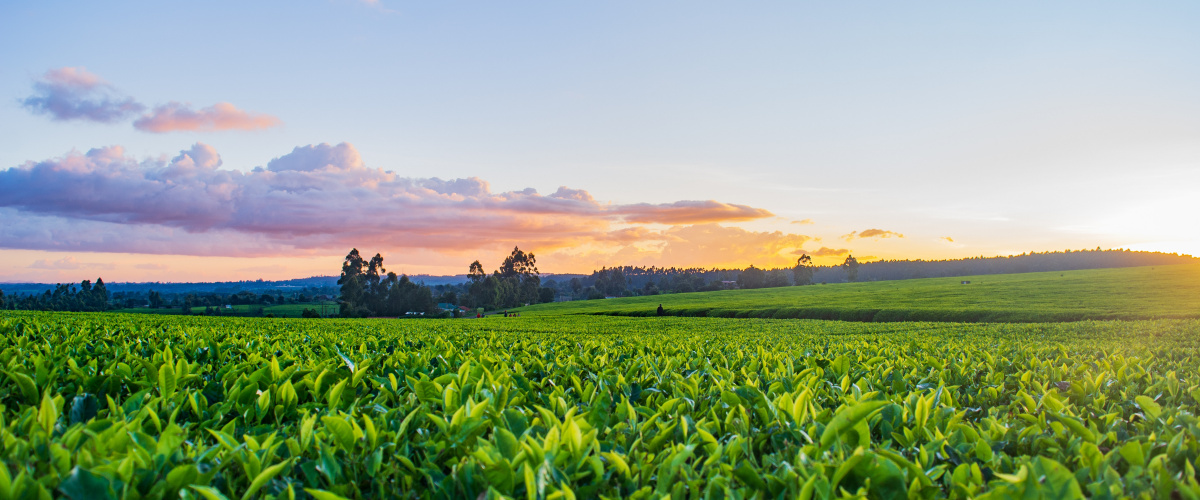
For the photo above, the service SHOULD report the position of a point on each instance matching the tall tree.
(100, 295)
(353, 286)
(476, 273)
(520, 277)
(802, 274)
(851, 268)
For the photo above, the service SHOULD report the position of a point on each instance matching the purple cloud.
(75, 94)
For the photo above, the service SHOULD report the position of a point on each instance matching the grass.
(1097, 294)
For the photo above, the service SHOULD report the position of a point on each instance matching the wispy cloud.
(824, 252)
(871, 233)
(75, 94)
(175, 116)
(947, 239)
(803, 221)
(317, 198)
(67, 263)
(689, 212)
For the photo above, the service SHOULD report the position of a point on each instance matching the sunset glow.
(689, 135)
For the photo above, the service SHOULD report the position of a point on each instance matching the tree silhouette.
(851, 268)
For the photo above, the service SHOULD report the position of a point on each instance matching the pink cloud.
(175, 116)
(317, 198)
(68, 263)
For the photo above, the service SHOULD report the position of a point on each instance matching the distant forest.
(367, 290)
(623, 281)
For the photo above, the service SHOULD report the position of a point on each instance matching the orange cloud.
(948, 239)
(698, 245)
(871, 233)
(175, 116)
(824, 252)
(804, 221)
(690, 212)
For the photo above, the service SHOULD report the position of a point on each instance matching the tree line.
(64, 297)
(367, 289)
(622, 281)
(517, 282)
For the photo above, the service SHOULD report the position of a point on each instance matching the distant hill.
(232, 287)
(1096, 294)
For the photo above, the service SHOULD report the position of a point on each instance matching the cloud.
(804, 221)
(174, 116)
(697, 245)
(317, 198)
(871, 233)
(67, 263)
(76, 94)
(151, 266)
(824, 252)
(690, 212)
(948, 239)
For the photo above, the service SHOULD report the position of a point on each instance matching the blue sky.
(1005, 128)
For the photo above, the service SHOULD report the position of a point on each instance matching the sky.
(149, 141)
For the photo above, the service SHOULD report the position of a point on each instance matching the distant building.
(729, 285)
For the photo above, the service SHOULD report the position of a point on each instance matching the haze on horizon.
(224, 141)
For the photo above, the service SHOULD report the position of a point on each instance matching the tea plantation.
(1129, 293)
(138, 406)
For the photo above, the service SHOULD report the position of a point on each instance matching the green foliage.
(143, 406)
(1100, 294)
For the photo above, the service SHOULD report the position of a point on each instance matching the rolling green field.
(1126, 293)
(559, 407)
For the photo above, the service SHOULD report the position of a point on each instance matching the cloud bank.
(69, 93)
(322, 198)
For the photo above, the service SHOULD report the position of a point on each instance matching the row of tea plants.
(133, 406)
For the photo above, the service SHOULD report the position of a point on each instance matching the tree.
(752, 277)
(851, 268)
(776, 278)
(100, 295)
(476, 274)
(802, 274)
(521, 278)
(353, 286)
